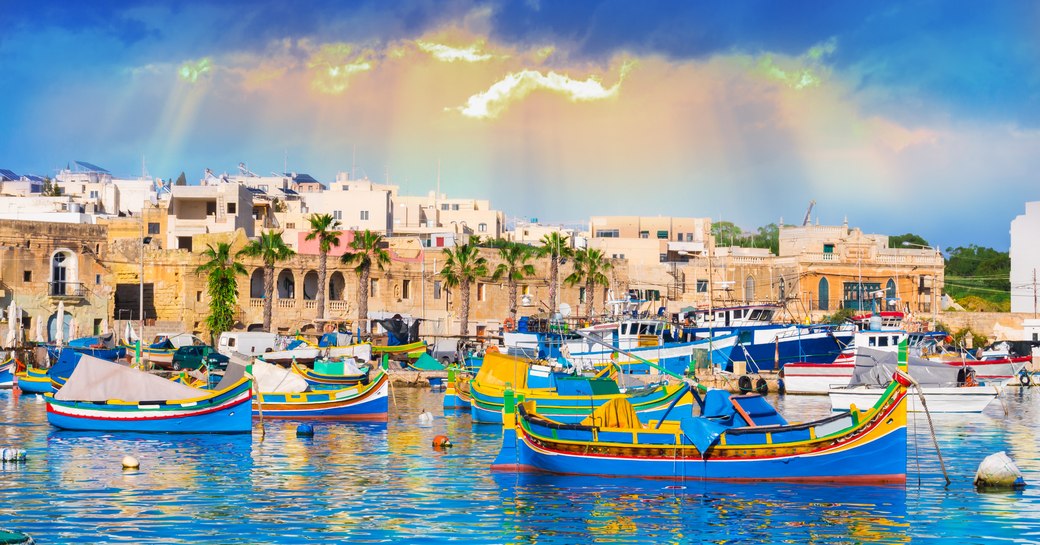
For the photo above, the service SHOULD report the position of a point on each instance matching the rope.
(931, 428)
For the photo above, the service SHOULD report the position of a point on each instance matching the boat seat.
(718, 408)
(756, 411)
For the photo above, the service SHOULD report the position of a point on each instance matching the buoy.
(998, 471)
(129, 462)
(425, 418)
(305, 430)
(441, 441)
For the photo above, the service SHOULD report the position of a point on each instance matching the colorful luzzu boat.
(7, 371)
(735, 437)
(106, 396)
(34, 381)
(562, 398)
(326, 381)
(411, 350)
(455, 394)
(358, 402)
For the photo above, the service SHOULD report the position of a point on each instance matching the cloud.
(335, 64)
(191, 71)
(447, 53)
(517, 85)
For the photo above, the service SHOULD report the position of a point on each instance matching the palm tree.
(367, 251)
(514, 268)
(325, 228)
(555, 246)
(590, 266)
(271, 249)
(464, 265)
(222, 286)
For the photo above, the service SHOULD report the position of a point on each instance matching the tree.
(768, 236)
(726, 233)
(222, 286)
(514, 268)
(325, 229)
(555, 245)
(367, 250)
(914, 240)
(464, 266)
(590, 266)
(979, 271)
(181, 180)
(271, 249)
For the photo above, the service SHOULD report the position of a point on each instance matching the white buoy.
(998, 471)
(129, 462)
(425, 418)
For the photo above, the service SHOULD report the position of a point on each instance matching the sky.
(919, 116)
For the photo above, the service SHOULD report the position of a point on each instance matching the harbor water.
(368, 483)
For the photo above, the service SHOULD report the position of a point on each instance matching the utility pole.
(1034, 293)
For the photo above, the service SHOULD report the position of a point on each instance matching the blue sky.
(904, 117)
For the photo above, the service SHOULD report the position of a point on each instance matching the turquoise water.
(364, 483)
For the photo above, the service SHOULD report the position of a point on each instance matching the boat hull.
(486, 406)
(224, 412)
(7, 374)
(34, 381)
(816, 378)
(964, 399)
(361, 402)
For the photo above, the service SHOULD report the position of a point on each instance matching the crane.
(808, 213)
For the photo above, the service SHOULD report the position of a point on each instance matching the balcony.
(67, 290)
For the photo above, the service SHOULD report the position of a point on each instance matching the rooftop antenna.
(144, 169)
(437, 195)
(353, 163)
(285, 161)
(808, 213)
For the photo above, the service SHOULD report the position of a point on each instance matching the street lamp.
(935, 276)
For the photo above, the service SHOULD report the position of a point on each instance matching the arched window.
(890, 294)
(825, 294)
(310, 286)
(783, 288)
(749, 288)
(63, 272)
(286, 285)
(256, 284)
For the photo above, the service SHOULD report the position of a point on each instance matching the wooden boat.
(106, 396)
(412, 350)
(361, 351)
(735, 437)
(34, 381)
(676, 357)
(946, 388)
(328, 381)
(358, 402)
(99, 346)
(7, 371)
(456, 395)
(563, 398)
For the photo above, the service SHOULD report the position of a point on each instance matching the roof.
(91, 167)
(255, 190)
(304, 178)
(288, 191)
(8, 175)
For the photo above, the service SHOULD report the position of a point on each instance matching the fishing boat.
(106, 396)
(946, 388)
(296, 350)
(330, 345)
(34, 381)
(99, 346)
(346, 374)
(288, 396)
(735, 437)
(673, 356)
(7, 370)
(456, 395)
(562, 396)
(411, 350)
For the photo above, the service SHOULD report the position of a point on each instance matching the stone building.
(43, 264)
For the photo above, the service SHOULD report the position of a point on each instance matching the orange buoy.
(441, 441)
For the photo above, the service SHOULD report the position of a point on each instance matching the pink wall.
(310, 247)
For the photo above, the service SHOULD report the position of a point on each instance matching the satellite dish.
(565, 310)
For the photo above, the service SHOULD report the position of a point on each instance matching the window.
(702, 286)
(454, 207)
(153, 228)
(337, 214)
(364, 215)
(883, 341)
(93, 194)
(607, 233)
(373, 288)
(525, 290)
(824, 294)
(406, 289)
(97, 279)
(211, 208)
(290, 226)
(26, 276)
(184, 243)
(445, 207)
(198, 296)
(482, 227)
(663, 257)
(581, 295)
(749, 288)
(689, 237)
(436, 289)
(678, 237)
(644, 234)
(232, 208)
(481, 292)
(828, 248)
(662, 235)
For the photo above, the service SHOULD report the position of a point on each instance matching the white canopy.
(98, 380)
(275, 379)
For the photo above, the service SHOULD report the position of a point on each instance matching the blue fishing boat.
(106, 396)
(455, 393)
(100, 346)
(359, 402)
(735, 437)
(323, 379)
(7, 370)
(34, 381)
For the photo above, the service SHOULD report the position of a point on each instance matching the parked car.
(194, 356)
